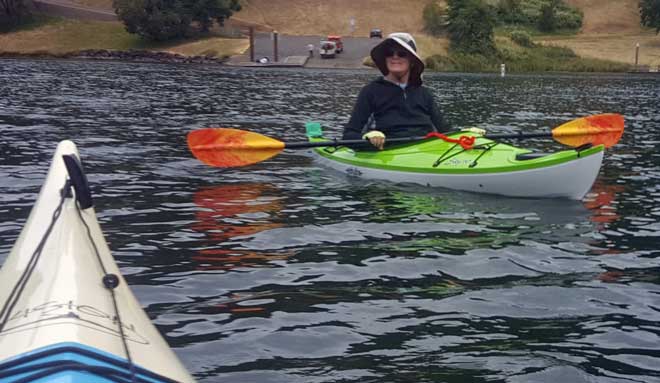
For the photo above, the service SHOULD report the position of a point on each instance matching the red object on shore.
(337, 41)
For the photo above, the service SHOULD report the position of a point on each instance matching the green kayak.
(488, 167)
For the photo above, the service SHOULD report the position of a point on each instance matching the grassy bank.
(519, 59)
(58, 36)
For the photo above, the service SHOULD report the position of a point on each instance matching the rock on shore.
(130, 55)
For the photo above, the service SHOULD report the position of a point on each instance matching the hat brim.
(378, 57)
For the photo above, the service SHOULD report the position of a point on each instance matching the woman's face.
(398, 61)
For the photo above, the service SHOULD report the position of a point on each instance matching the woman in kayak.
(395, 105)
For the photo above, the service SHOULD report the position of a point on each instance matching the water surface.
(287, 272)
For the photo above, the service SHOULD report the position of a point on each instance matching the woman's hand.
(376, 138)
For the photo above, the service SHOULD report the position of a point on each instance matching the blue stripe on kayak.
(73, 363)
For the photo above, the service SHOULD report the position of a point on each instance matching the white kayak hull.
(63, 304)
(571, 180)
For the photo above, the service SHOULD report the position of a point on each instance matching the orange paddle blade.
(225, 147)
(600, 129)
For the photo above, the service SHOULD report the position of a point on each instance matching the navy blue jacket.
(385, 106)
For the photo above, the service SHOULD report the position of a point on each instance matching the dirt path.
(75, 10)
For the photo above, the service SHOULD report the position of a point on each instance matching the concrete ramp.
(289, 61)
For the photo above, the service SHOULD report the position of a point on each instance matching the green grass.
(522, 60)
(59, 36)
(505, 30)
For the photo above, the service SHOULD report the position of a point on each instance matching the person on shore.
(310, 48)
(396, 104)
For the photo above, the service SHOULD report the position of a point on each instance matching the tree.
(548, 16)
(649, 11)
(162, 20)
(471, 24)
(205, 11)
(12, 12)
(434, 18)
(510, 11)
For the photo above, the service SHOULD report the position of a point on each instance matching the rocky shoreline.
(130, 55)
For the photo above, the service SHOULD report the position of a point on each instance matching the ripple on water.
(284, 271)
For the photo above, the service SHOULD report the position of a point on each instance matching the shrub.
(556, 53)
(440, 63)
(13, 13)
(568, 18)
(510, 12)
(462, 62)
(546, 15)
(435, 20)
(649, 11)
(470, 27)
(522, 38)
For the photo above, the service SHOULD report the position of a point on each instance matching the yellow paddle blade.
(225, 147)
(599, 129)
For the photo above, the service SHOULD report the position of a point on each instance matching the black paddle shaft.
(336, 142)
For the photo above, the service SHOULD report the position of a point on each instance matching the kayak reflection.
(492, 221)
(249, 225)
(230, 212)
(601, 201)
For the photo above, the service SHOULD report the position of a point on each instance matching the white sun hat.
(406, 41)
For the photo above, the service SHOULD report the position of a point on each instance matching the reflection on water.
(287, 272)
(602, 202)
(229, 213)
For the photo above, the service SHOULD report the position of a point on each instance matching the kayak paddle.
(225, 147)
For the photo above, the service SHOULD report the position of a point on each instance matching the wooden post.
(251, 44)
(275, 46)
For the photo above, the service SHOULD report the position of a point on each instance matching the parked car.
(337, 40)
(376, 32)
(327, 49)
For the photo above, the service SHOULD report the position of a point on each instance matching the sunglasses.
(397, 52)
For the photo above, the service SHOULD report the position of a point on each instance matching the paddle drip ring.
(466, 142)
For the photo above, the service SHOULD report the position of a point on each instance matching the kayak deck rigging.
(446, 155)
